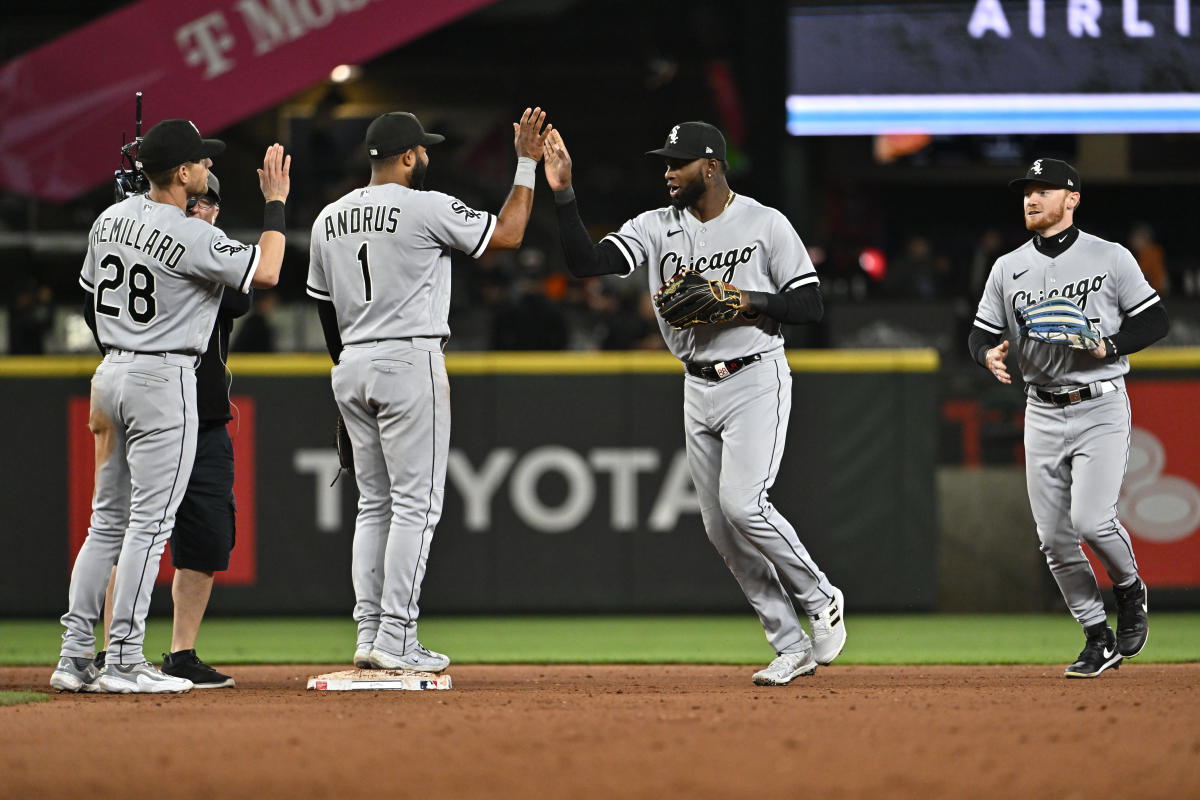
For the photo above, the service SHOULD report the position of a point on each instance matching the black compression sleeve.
(329, 327)
(585, 259)
(794, 307)
(1141, 331)
(89, 316)
(979, 342)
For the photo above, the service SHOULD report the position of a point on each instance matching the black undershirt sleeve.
(329, 327)
(1139, 332)
(793, 307)
(234, 303)
(979, 342)
(585, 259)
(89, 316)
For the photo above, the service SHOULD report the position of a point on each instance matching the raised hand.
(558, 161)
(528, 136)
(274, 178)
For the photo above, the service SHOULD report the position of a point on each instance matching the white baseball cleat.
(786, 667)
(829, 629)
(75, 675)
(419, 659)
(362, 657)
(142, 678)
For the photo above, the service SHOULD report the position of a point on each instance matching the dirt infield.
(622, 731)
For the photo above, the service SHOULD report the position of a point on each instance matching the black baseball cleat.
(1132, 627)
(1100, 653)
(186, 664)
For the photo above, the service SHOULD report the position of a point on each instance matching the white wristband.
(525, 172)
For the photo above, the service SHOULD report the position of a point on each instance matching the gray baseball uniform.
(1076, 446)
(156, 277)
(381, 255)
(736, 421)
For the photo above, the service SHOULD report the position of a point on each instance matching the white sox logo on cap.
(673, 136)
(1036, 169)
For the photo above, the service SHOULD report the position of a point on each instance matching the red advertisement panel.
(65, 104)
(1160, 499)
(243, 563)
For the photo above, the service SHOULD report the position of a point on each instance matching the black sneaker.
(186, 664)
(1100, 653)
(99, 659)
(1132, 627)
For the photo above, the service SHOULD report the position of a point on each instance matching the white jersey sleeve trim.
(988, 326)
(1142, 306)
(251, 268)
(624, 251)
(316, 293)
(489, 229)
(86, 286)
(802, 280)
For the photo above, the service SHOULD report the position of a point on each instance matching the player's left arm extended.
(794, 306)
(1138, 332)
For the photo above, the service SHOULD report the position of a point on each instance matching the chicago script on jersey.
(728, 260)
(361, 219)
(133, 233)
(1077, 292)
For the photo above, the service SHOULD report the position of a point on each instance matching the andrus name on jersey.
(361, 219)
(728, 260)
(1077, 292)
(132, 233)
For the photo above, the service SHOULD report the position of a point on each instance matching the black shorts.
(205, 527)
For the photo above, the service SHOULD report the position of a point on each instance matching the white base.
(376, 679)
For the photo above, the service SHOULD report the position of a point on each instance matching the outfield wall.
(567, 489)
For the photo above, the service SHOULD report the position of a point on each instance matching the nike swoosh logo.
(1062, 238)
(1019, 274)
(672, 233)
(1109, 653)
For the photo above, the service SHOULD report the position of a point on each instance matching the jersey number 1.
(366, 268)
(141, 288)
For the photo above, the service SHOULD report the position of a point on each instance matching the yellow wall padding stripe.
(496, 363)
(575, 362)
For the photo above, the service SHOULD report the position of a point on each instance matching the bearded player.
(737, 386)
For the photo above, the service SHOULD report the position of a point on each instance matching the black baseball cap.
(692, 140)
(1050, 171)
(173, 142)
(395, 132)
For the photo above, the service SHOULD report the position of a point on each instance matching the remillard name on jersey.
(362, 219)
(133, 233)
(728, 260)
(1077, 292)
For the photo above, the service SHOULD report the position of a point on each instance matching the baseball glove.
(690, 299)
(1058, 321)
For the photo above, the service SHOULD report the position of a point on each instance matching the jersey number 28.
(140, 298)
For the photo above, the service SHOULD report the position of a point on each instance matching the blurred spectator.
(629, 323)
(1149, 255)
(30, 316)
(530, 322)
(915, 273)
(989, 247)
(254, 333)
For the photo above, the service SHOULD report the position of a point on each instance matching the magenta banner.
(63, 106)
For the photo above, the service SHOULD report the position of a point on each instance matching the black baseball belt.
(719, 370)
(1071, 395)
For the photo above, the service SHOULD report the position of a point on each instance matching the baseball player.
(204, 524)
(1077, 419)
(380, 271)
(737, 386)
(156, 277)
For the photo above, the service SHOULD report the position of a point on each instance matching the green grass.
(874, 639)
(17, 698)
